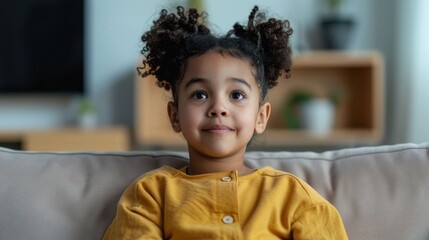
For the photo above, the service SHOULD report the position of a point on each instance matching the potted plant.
(336, 27)
(87, 114)
(304, 110)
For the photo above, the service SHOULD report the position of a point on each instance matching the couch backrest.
(381, 192)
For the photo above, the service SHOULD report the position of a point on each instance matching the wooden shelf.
(11, 136)
(71, 139)
(359, 117)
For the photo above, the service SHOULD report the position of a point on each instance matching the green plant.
(291, 108)
(86, 106)
(334, 5)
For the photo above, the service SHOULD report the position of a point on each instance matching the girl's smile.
(218, 129)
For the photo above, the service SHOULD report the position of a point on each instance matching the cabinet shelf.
(112, 138)
(359, 116)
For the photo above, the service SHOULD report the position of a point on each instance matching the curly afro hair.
(175, 37)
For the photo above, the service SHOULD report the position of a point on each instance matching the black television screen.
(41, 46)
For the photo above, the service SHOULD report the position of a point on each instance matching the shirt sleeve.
(321, 221)
(138, 216)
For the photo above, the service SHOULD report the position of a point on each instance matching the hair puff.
(163, 41)
(272, 39)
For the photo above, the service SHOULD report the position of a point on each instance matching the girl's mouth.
(218, 129)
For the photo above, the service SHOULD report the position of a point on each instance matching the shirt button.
(227, 220)
(226, 179)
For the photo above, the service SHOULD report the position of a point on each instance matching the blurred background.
(109, 42)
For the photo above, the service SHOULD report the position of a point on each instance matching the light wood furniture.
(359, 116)
(71, 139)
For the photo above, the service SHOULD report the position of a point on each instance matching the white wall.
(418, 47)
(113, 45)
(24, 112)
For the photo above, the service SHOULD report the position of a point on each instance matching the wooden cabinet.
(359, 115)
(72, 139)
(359, 80)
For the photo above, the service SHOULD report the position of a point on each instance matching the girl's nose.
(218, 114)
(217, 109)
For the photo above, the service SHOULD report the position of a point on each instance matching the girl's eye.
(237, 95)
(199, 95)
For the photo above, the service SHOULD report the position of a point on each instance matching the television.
(42, 46)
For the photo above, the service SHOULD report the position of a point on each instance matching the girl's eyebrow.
(193, 81)
(198, 80)
(239, 80)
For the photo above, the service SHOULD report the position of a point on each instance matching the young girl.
(219, 87)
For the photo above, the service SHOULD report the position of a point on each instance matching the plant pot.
(87, 114)
(317, 116)
(88, 120)
(336, 32)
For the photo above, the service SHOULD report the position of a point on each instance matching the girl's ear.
(173, 114)
(262, 119)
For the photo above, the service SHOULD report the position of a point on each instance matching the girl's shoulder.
(286, 183)
(158, 173)
(271, 172)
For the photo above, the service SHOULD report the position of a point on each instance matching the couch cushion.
(67, 195)
(381, 192)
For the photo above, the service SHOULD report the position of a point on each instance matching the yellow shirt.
(267, 204)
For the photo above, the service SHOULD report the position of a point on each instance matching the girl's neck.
(201, 164)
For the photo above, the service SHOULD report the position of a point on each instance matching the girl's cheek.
(190, 114)
(246, 118)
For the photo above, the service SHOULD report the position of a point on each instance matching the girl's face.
(218, 106)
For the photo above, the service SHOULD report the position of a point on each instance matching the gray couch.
(381, 192)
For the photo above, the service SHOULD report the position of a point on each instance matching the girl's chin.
(218, 151)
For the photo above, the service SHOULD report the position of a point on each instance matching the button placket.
(228, 202)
